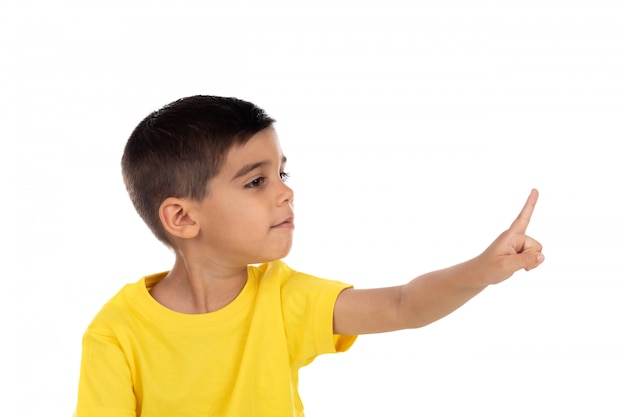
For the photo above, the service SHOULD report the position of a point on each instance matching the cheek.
(242, 218)
(235, 216)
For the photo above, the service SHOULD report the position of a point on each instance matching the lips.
(286, 223)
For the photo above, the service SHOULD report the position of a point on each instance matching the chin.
(278, 253)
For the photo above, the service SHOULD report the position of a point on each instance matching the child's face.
(247, 216)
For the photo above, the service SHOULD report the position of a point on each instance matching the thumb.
(525, 260)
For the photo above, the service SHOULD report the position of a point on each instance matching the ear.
(176, 219)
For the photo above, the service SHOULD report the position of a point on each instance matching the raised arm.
(434, 295)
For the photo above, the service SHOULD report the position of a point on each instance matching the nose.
(286, 194)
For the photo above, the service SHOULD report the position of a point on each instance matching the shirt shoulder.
(124, 307)
(307, 305)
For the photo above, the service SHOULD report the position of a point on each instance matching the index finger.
(523, 219)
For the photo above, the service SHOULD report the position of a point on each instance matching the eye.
(284, 176)
(256, 183)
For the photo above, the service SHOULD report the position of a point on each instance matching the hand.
(513, 250)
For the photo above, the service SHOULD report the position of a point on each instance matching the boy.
(225, 331)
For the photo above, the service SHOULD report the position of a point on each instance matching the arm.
(434, 295)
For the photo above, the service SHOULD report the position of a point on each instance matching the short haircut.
(176, 150)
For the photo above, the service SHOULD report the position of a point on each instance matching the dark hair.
(176, 150)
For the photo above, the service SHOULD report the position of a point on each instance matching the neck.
(192, 289)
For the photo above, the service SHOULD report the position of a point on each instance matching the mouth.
(287, 223)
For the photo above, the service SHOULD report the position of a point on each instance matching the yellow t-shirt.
(142, 359)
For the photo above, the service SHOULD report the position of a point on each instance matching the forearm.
(436, 294)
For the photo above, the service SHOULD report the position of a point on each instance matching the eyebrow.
(251, 167)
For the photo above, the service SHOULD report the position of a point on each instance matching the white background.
(414, 132)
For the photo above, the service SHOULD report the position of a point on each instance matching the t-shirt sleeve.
(308, 309)
(105, 388)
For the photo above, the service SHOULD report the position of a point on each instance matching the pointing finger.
(520, 224)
